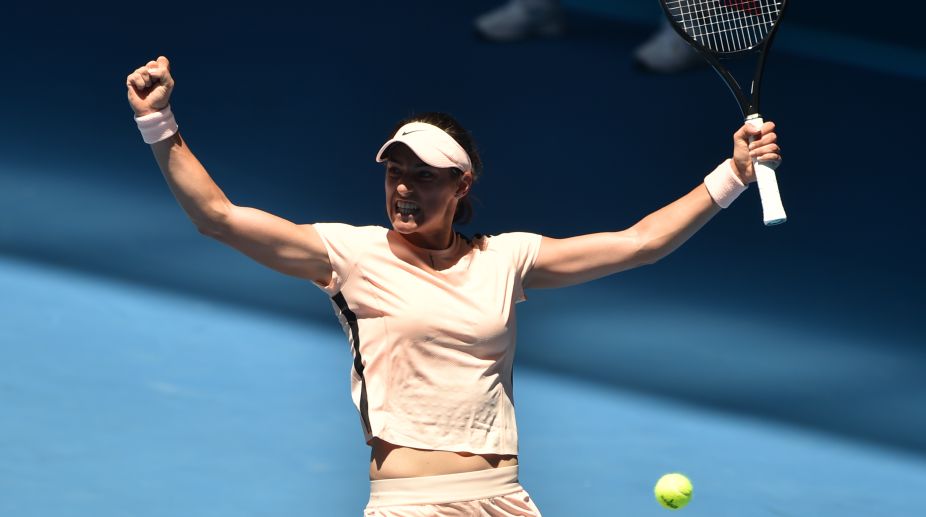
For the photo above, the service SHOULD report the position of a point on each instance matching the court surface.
(124, 400)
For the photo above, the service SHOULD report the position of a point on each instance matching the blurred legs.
(664, 52)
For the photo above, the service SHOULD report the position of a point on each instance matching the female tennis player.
(430, 313)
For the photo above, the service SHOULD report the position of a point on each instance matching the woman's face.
(420, 197)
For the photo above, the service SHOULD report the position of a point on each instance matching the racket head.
(725, 28)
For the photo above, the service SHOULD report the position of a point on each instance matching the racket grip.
(772, 210)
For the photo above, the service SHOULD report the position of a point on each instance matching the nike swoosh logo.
(412, 131)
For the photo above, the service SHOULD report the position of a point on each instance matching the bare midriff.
(389, 461)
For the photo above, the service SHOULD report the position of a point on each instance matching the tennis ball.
(673, 491)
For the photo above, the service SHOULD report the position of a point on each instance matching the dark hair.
(464, 213)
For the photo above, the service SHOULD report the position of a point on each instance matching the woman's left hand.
(764, 148)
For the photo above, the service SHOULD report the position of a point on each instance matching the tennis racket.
(722, 29)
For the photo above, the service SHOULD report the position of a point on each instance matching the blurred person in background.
(664, 52)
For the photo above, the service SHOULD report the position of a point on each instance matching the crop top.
(432, 349)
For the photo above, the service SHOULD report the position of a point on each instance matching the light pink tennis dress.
(433, 353)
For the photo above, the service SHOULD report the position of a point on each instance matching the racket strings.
(726, 25)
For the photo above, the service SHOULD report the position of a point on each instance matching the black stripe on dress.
(351, 320)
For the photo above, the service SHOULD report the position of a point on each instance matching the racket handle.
(772, 211)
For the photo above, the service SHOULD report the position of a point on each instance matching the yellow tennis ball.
(673, 491)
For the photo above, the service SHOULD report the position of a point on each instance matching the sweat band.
(723, 185)
(157, 126)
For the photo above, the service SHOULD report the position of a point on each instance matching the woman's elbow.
(648, 250)
(213, 223)
(210, 230)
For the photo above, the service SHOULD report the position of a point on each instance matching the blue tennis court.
(125, 400)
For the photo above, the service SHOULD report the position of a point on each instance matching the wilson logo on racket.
(749, 6)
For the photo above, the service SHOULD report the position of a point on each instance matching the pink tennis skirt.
(490, 492)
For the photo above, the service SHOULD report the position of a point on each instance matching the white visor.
(435, 147)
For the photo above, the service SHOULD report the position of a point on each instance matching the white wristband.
(157, 126)
(723, 185)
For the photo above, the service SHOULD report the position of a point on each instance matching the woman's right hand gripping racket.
(735, 28)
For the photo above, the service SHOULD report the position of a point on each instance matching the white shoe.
(519, 19)
(667, 53)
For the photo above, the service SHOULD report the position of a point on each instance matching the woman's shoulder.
(486, 240)
(350, 228)
(350, 237)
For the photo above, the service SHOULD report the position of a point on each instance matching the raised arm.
(277, 243)
(565, 262)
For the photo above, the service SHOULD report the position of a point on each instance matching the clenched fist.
(150, 86)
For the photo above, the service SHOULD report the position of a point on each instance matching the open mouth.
(407, 208)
